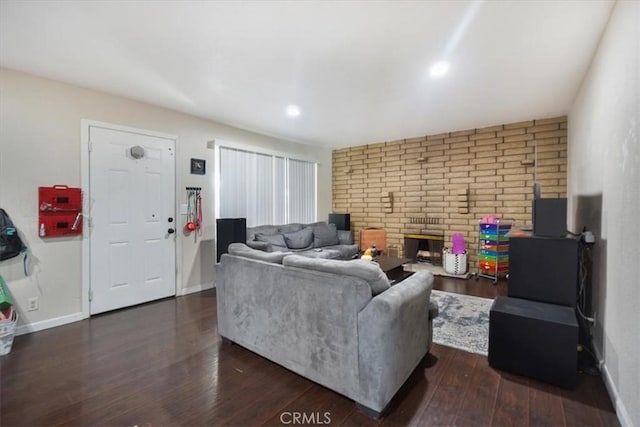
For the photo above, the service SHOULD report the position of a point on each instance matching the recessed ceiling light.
(439, 69)
(293, 111)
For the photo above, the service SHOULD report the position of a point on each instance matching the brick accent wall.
(449, 181)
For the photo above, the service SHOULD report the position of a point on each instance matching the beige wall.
(425, 176)
(604, 196)
(40, 146)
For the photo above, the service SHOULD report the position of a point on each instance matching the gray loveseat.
(317, 240)
(337, 323)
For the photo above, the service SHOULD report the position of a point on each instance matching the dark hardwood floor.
(163, 363)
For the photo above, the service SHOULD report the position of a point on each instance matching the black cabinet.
(534, 331)
(342, 221)
(229, 230)
(544, 269)
(535, 339)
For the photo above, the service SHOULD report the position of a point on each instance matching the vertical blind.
(266, 189)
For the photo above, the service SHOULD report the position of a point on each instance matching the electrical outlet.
(32, 304)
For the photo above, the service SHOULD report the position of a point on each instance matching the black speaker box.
(534, 339)
(229, 230)
(341, 220)
(544, 269)
(550, 217)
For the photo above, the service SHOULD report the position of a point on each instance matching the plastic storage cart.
(7, 332)
(493, 249)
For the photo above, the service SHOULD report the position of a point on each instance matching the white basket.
(455, 263)
(7, 332)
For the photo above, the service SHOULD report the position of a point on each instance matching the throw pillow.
(290, 228)
(368, 271)
(276, 240)
(264, 229)
(300, 239)
(324, 234)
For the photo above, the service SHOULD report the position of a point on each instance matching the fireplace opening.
(425, 247)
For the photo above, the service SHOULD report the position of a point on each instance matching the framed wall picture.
(198, 166)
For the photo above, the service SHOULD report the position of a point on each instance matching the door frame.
(85, 124)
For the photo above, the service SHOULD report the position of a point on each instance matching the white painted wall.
(40, 146)
(604, 193)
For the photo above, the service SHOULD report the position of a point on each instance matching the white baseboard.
(196, 288)
(76, 317)
(621, 410)
(49, 323)
(618, 404)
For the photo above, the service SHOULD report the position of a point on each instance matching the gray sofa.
(317, 240)
(337, 323)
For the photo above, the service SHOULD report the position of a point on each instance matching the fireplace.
(425, 247)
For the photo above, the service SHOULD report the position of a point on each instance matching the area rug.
(436, 270)
(463, 322)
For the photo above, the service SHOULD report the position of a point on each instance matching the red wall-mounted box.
(59, 211)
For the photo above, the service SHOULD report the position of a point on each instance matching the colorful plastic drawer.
(491, 266)
(494, 232)
(494, 246)
(494, 237)
(494, 253)
(492, 263)
(493, 242)
(495, 228)
(504, 258)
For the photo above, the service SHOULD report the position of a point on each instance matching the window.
(265, 188)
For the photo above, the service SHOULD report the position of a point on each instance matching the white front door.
(132, 212)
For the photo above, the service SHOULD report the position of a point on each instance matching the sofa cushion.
(300, 239)
(290, 228)
(263, 246)
(321, 253)
(345, 237)
(346, 251)
(368, 271)
(263, 229)
(276, 240)
(324, 234)
(240, 249)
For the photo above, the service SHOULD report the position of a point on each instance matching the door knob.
(171, 231)
(170, 219)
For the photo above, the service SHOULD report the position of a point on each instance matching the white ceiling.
(357, 69)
